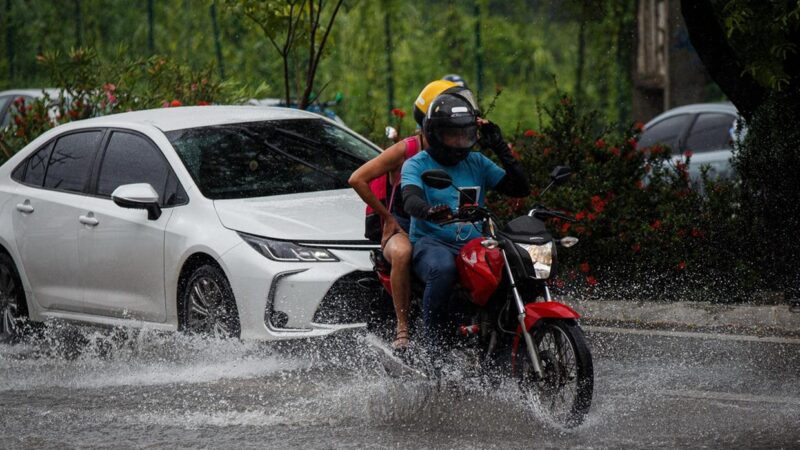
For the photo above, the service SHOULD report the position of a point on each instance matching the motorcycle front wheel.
(565, 391)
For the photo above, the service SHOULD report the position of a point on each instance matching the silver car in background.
(708, 130)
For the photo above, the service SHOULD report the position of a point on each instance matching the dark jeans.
(435, 264)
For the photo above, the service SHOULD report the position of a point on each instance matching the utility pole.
(387, 31)
(217, 43)
(151, 44)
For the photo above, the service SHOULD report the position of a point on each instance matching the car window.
(71, 161)
(711, 131)
(36, 166)
(257, 159)
(665, 132)
(128, 159)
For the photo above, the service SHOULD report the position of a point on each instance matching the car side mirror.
(560, 174)
(437, 179)
(138, 196)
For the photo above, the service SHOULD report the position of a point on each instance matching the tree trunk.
(581, 60)
(722, 64)
(9, 41)
(78, 24)
(217, 43)
(387, 31)
(151, 42)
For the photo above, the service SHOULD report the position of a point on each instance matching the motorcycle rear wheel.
(565, 392)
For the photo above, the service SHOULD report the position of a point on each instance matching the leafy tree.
(287, 24)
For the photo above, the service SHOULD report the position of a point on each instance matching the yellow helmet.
(426, 96)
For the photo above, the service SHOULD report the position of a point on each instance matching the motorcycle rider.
(451, 129)
(395, 244)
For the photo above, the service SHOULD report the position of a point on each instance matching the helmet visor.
(462, 137)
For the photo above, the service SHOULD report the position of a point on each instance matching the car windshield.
(257, 159)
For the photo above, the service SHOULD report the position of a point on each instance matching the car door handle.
(88, 220)
(25, 207)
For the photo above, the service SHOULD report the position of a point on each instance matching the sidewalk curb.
(771, 319)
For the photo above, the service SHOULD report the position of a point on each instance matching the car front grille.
(347, 301)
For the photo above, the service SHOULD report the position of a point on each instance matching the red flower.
(591, 281)
(559, 283)
(581, 215)
(656, 225)
(531, 133)
(600, 143)
(202, 103)
(681, 265)
(399, 113)
(175, 103)
(565, 227)
(18, 120)
(636, 247)
(640, 184)
(598, 204)
(696, 233)
(632, 142)
(546, 151)
(584, 266)
(688, 154)
(615, 151)
(591, 216)
(639, 126)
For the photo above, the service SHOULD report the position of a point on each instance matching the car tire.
(14, 322)
(208, 307)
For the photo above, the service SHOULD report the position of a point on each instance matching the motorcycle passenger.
(451, 128)
(395, 244)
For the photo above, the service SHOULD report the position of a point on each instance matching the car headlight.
(542, 258)
(286, 251)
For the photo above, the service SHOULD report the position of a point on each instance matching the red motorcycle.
(504, 311)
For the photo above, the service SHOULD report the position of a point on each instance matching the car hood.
(314, 216)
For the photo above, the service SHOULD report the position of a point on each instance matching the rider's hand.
(439, 214)
(390, 228)
(490, 136)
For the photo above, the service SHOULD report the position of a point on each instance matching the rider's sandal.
(401, 340)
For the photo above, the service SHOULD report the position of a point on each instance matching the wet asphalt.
(152, 390)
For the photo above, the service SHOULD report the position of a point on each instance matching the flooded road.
(150, 390)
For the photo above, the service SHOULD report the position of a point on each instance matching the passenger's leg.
(398, 253)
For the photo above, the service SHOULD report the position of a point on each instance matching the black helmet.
(451, 128)
(468, 96)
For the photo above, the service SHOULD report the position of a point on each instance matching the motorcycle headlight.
(286, 251)
(542, 258)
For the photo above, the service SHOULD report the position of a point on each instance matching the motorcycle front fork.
(529, 344)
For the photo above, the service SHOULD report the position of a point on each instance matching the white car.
(705, 129)
(222, 220)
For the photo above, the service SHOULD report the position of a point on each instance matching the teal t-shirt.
(474, 175)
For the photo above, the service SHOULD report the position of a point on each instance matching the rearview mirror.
(138, 196)
(437, 179)
(560, 174)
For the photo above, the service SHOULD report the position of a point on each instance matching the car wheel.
(13, 308)
(209, 308)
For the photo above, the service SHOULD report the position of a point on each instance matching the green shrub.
(644, 233)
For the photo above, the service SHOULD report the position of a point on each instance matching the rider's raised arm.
(515, 182)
